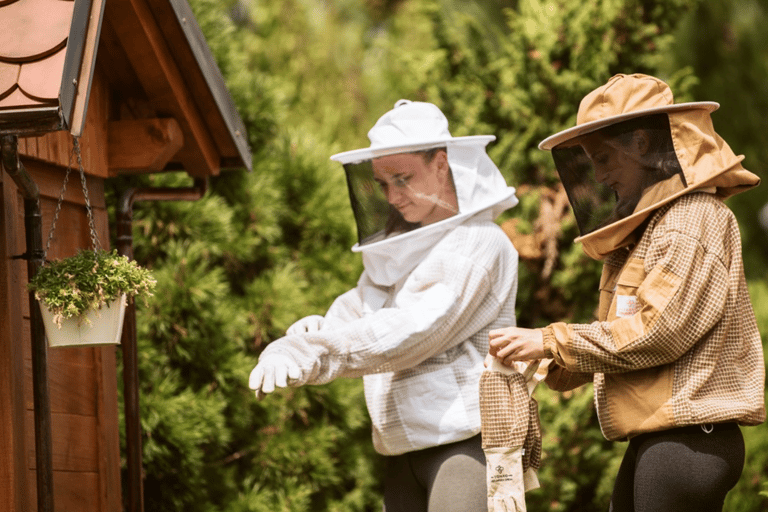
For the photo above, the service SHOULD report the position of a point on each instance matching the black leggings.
(447, 478)
(680, 469)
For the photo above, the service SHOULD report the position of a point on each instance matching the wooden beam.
(109, 429)
(142, 145)
(163, 81)
(87, 68)
(193, 55)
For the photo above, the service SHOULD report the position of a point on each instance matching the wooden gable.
(165, 93)
(136, 83)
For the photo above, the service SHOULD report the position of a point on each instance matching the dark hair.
(661, 159)
(429, 154)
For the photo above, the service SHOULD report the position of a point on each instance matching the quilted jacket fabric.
(419, 343)
(676, 342)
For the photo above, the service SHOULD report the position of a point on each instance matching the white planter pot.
(105, 327)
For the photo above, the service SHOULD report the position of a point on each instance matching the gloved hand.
(273, 370)
(310, 323)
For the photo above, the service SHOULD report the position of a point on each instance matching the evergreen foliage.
(734, 70)
(265, 248)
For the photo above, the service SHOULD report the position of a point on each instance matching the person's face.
(421, 191)
(617, 166)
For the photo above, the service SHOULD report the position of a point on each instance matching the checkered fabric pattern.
(688, 350)
(511, 433)
(420, 343)
(510, 417)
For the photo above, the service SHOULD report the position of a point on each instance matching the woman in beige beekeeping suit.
(439, 275)
(675, 357)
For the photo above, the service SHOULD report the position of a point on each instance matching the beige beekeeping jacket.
(676, 342)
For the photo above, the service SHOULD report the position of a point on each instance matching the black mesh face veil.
(372, 211)
(623, 168)
(381, 199)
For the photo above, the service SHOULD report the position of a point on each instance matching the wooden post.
(33, 228)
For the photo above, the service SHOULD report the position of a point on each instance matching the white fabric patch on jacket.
(627, 305)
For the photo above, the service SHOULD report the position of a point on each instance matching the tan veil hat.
(623, 97)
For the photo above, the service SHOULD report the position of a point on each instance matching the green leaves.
(72, 286)
(266, 247)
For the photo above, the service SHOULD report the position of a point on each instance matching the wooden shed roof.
(154, 57)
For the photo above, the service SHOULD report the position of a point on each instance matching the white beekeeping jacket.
(419, 343)
(416, 325)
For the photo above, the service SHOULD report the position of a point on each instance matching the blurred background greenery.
(266, 247)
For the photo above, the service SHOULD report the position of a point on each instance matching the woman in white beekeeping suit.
(439, 275)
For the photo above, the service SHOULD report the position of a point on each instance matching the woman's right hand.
(510, 344)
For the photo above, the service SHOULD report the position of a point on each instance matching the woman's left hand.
(510, 344)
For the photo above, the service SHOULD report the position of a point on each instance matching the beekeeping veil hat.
(633, 150)
(392, 245)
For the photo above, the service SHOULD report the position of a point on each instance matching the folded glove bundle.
(511, 434)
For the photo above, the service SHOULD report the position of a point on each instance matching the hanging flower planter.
(97, 327)
(83, 298)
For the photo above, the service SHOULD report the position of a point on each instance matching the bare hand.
(510, 344)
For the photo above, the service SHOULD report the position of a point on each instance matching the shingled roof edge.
(30, 121)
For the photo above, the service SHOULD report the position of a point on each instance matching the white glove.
(273, 370)
(505, 479)
(310, 323)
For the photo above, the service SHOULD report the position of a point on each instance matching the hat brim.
(571, 133)
(360, 155)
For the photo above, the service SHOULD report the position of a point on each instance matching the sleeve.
(560, 379)
(347, 307)
(428, 316)
(678, 300)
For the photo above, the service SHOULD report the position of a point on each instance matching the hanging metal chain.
(94, 237)
(58, 206)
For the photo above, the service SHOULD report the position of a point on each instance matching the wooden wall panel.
(73, 438)
(72, 230)
(56, 147)
(13, 481)
(70, 375)
(50, 179)
(94, 139)
(108, 429)
(82, 492)
(82, 380)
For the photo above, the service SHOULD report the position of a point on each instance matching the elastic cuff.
(550, 342)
